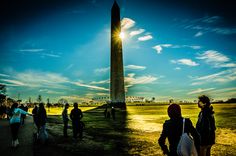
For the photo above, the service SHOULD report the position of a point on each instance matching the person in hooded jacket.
(172, 130)
(206, 125)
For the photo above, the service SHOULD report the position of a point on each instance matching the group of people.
(203, 134)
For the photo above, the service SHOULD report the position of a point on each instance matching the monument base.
(121, 105)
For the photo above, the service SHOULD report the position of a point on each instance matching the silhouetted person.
(113, 113)
(206, 125)
(105, 112)
(172, 129)
(42, 119)
(76, 115)
(35, 117)
(65, 119)
(15, 121)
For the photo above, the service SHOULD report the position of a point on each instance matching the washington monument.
(117, 90)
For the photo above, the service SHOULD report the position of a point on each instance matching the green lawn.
(136, 131)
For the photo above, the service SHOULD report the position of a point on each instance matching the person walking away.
(15, 121)
(42, 118)
(206, 125)
(76, 115)
(65, 119)
(172, 129)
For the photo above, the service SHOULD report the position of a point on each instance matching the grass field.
(136, 131)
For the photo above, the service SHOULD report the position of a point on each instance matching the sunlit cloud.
(216, 59)
(74, 98)
(187, 62)
(220, 77)
(14, 82)
(199, 90)
(131, 80)
(136, 32)
(100, 82)
(127, 23)
(145, 38)
(47, 91)
(90, 86)
(198, 34)
(158, 48)
(134, 67)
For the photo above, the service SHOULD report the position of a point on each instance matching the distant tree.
(39, 99)
(62, 102)
(232, 100)
(3, 89)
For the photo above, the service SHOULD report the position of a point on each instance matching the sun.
(122, 35)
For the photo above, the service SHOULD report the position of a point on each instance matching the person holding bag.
(173, 129)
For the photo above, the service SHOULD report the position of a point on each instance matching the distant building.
(103, 99)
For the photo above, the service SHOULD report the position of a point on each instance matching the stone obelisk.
(117, 90)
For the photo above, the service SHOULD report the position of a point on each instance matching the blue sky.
(169, 50)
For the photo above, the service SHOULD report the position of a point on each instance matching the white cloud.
(166, 45)
(69, 67)
(199, 90)
(216, 59)
(145, 38)
(136, 32)
(131, 80)
(134, 67)
(4, 75)
(220, 77)
(50, 91)
(50, 55)
(100, 82)
(14, 82)
(177, 68)
(213, 56)
(187, 62)
(31, 50)
(102, 70)
(158, 48)
(127, 23)
(198, 34)
(90, 86)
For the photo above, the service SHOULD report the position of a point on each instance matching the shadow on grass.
(102, 136)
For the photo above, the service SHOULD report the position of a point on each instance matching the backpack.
(186, 145)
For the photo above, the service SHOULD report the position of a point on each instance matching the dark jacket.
(41, 116)
(172, 129)
(206, 126)
(76, 114)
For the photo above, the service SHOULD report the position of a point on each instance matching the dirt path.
(25, 139)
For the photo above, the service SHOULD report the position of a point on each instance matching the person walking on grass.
(206, 125)
(65, 119)
(76, 115)
(172, 129)
(15, 121)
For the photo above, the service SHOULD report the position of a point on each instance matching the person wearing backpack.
(76, 115)
(206, 125)
(172, 130)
